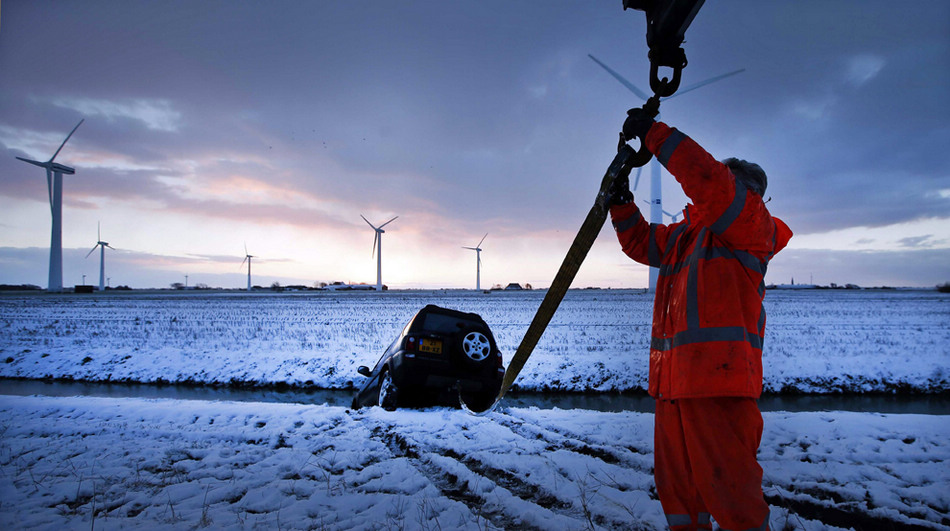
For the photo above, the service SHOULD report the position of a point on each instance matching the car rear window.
(436, 322)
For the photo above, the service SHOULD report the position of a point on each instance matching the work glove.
(619, 193)
(641, 119)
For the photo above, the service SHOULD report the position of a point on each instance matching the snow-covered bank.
(817, 341)
(82, 463)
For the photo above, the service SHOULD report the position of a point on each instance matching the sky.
(211, 126)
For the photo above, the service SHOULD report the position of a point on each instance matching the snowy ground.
(816, 341)
(68, 463)
(108, 463)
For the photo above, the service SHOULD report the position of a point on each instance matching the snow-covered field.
(111, 463)
(816, 341)
(103, 463)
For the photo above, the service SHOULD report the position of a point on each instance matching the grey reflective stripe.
(692, 284)
(678, 519)
(731, 213)
(763, 527)
(653, 250)
(706, 335)
(774, 241)
(747, 259)
(703, 519)
(671, 269)
(629, 223)
(761, 323)
(671, 241)
(669, 146)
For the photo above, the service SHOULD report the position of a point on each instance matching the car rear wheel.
(476, 346)
(387, 392)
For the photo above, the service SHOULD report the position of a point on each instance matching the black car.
(440, 355)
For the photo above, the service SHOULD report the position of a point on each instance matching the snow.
(68, 463)
(133, 463)
(816, 341)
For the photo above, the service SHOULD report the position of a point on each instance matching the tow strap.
(626, 159)
(667, 21)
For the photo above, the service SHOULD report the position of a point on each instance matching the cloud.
(863, 68)
(917, 242)
(157, 115)
(485, 116)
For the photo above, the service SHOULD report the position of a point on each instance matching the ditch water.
(877, 403)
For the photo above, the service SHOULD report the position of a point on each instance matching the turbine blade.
(637, 181)
(695, 86)
(367, 222)
(388, 222)
(67, 139)
(374, 244)
(33, 162)
(472, 248)
(483, 239)
(99, 230)
(49, 187)
(623, 81)
(92, 251)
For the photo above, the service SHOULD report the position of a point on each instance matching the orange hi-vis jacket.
(708, 317)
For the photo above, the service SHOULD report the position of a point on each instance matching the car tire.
(475, 346)
(477, 402)
(388, 392)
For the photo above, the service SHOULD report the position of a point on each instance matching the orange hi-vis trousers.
(705, 463)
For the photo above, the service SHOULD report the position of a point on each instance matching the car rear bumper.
(414, 371)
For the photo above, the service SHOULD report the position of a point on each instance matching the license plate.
(431, 346)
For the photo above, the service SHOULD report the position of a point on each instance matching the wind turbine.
(637, 181)
(379, 255)
(247, 258)
(54, 183)
(478, 262)
(656, 191)
(102, 257)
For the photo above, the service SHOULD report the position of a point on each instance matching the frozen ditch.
(605, 402)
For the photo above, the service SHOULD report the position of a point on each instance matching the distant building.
(513, 286)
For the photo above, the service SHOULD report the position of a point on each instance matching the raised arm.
(723, 203)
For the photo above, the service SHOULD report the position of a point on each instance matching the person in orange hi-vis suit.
(708, 328)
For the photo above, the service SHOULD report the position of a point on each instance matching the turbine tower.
(478, 262)
(54, 183)
(247, 258)
(102, 258)
(656, 189)
(379, 255)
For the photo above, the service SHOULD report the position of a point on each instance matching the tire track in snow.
(624, 456)
(813, 504)
(600, 475)
(497, 495)
(449, 484)
(580, 510)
